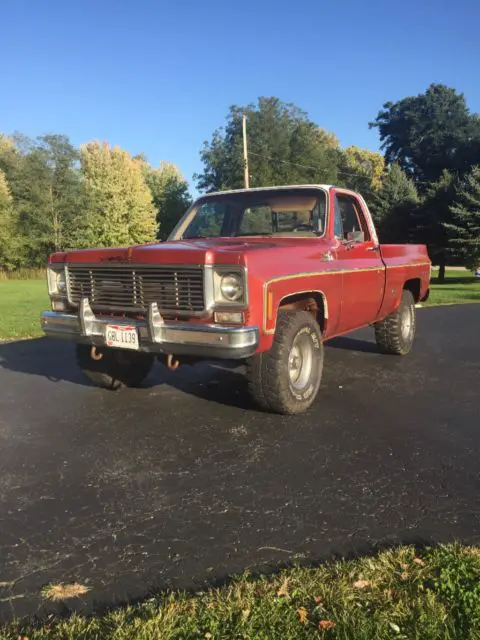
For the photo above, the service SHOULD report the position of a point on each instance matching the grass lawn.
(459, 286)
(21, 302)
(400, 593)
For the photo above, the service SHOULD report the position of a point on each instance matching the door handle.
(374, 248)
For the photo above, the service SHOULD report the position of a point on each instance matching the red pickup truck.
(262, 275)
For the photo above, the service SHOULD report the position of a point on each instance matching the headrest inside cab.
(292, 203)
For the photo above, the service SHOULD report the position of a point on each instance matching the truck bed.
(405, 263)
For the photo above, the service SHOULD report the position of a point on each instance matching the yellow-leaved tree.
(362, 169)
(118, 208)
(8, 230)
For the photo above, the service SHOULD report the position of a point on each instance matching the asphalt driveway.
(182, 483)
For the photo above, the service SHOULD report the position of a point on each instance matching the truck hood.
(199, 251)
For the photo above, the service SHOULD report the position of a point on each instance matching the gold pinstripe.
(307, 274)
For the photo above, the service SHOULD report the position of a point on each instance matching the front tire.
(396, 333)
(116, 368)
(286, 379)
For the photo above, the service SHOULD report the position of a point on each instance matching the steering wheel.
(304, 227)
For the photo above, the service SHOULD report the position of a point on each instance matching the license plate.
(122, 337)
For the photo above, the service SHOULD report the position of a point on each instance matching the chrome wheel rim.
(300, 362)
(407, 323)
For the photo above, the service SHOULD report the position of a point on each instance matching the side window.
(361, 219)
(338, 223)
(352, 218)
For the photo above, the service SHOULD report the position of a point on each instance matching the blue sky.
(158, 76)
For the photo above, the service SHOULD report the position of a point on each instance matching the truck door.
(358, 258)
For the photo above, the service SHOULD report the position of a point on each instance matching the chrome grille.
(134, 288)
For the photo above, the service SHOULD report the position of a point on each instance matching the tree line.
(424, 186)
(54, 196)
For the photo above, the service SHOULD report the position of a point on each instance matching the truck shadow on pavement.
(352, 344)
(220, 383)
(41, 357)
(55, 360)
(223, 383)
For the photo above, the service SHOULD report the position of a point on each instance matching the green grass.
(21, 302)
(459, 286)
(400, 593)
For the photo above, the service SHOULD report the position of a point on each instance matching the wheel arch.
(313, 301)
(414, 285)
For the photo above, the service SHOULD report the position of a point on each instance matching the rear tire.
(286, 379)
(117, 368)
(396, 333)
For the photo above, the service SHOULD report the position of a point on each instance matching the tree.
(118, 207)
(8, 154)
(464, 228)
(361, 170)
(63, 190)
(45, 183)
(170, 196)
(48, 192)
(285, 147)
(433, 217)
(428, 133)
(8, 257)
(394, 206)
(10, 160)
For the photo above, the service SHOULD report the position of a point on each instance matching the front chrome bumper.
(155, 335)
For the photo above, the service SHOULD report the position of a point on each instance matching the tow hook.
(94, 354)
(172, 362)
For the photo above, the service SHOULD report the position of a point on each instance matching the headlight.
(231, 287)
(61, 282)
(57, 284)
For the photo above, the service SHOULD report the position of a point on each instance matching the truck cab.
(262, 275)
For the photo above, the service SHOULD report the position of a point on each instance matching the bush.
(457, 584)
(23, 274)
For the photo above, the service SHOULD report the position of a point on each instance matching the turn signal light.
(58, 305)
(228, 317)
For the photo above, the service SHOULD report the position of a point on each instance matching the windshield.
(286, 212)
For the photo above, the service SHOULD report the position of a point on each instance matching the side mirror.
(355, 236)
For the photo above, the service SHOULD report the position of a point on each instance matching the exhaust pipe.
(172, 362)
(94, 354)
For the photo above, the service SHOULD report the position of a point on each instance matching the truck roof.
(275, 188)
